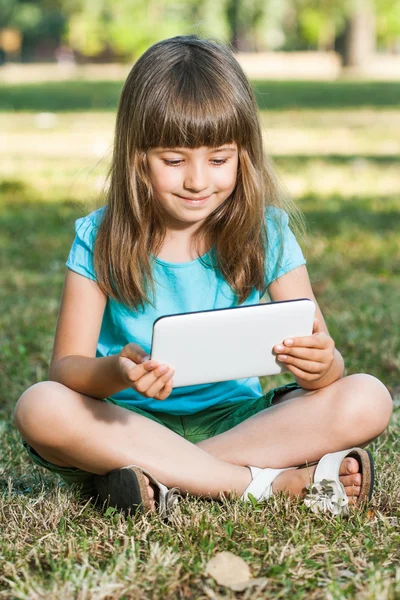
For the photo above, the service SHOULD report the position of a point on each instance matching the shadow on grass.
(37, 233)
(277, 95)
(337, 159)
(338, 215)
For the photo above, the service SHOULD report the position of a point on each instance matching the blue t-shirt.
(180, 288)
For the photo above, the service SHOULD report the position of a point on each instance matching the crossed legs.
(70, 429)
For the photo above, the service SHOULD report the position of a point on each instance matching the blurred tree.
(37, 20)
(125, 28)
(232, 15)
(7, 10)
(349, 26)
(388, 24)
(319, 21)
(131, 26)
(359, 33)
(247, 22)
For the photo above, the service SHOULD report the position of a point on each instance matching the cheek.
(227, 180)
(163, 180)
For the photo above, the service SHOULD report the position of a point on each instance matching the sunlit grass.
(69, 153)
(342, 167)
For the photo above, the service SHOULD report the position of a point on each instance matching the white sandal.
(326, 493)
(260, 485)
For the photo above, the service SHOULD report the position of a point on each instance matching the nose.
(195, 178)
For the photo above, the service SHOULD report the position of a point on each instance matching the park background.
(326, 75)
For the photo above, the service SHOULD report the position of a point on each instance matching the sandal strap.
(329, 466)
(261, 484)
(167, 499)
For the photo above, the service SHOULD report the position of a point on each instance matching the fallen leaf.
(232, 571)
(228, 569)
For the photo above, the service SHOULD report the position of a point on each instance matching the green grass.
(277, 95)
(53, 545)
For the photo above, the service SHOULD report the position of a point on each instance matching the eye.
(219, 161)
(172, 163)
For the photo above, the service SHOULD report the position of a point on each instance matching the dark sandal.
(127, 490)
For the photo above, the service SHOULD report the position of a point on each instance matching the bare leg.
(70, 429)
(304, 426)
(349, 412)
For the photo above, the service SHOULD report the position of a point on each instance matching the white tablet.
(229, 343)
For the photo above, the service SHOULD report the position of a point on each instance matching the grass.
(271, 95)
(342, 167)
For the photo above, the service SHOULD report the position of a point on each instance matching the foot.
(294, 481)
(150, 488)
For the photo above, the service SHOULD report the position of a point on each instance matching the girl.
(194, 220)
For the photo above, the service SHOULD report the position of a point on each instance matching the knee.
(36, 411)
(368, 404)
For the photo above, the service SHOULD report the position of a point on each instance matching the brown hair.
(185, 92)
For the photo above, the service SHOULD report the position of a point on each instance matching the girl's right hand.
(147, 377)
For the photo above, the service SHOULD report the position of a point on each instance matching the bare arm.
(296, 284)
(73, 361)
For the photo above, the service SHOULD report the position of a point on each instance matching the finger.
(309, 341)
(166, 390)
(316, 355)
(147, 378)
(134, 371)
(298, 372)
(159, 384)
(149, 365)
(306, 366)
(145, 384)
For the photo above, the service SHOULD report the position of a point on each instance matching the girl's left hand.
(308, 358)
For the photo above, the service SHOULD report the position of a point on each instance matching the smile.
(195, 201)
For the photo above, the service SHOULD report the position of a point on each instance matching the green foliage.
(129, 27)
(321, 20)
(388, 21)
(35, 20)
(27, 17)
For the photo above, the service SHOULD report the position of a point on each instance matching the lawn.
(337, 149)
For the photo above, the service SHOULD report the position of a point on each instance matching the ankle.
(293, 481)
(243, 480)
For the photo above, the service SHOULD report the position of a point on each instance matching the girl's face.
(190, 183)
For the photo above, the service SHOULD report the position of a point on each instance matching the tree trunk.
(232, 16)
(359, 35)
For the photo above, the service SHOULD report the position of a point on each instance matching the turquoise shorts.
(194, 428)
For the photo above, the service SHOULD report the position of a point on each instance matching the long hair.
(185, 92)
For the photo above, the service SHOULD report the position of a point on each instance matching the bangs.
(194, 111)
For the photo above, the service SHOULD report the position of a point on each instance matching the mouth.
(195, 201)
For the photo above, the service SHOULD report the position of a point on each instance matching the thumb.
(127, 362)
(144, 358)
(135, 353)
